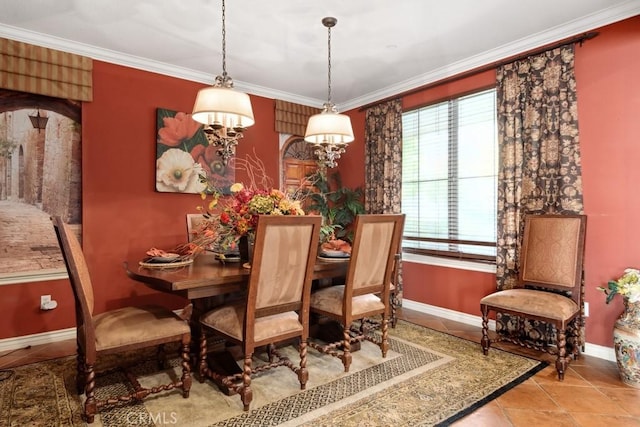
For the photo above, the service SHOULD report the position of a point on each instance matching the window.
(449, 177)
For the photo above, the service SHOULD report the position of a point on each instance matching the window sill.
(450, 263)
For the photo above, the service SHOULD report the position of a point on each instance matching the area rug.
(428, 378)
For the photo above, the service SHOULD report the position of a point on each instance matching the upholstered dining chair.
(366, 291)
(549, 288)
(276, 307)
(117, 331)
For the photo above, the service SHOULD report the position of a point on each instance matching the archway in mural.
(40, 176)
(298, 162)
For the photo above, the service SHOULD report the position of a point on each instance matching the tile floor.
(590, 395)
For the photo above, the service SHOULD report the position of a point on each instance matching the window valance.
(34, 69)
(292, 118)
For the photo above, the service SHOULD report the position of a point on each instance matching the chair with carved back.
(117, 331)
(365, 294)
(549, 288)
(276, 306)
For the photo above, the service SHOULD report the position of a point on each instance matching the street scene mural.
(40, 176)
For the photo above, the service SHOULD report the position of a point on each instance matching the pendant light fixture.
(329, 131)
(224, 112)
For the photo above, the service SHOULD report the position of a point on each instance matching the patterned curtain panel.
(34, 69)
(383, 165)
(540, 168)
(292, 118)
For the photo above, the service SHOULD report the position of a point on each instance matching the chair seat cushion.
(329, 300)
(229, 320)
(532, 302)
(131, 325)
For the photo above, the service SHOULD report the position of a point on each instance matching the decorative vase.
(626, 341)
(245, 247)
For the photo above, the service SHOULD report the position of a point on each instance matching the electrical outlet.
(45, 301)
(586, 309)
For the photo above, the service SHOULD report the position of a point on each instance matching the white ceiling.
(278, 48)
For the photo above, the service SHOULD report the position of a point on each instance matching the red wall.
(608, 78)
(122, 213)
(607, 70)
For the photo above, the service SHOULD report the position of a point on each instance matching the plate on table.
(328, 253)
(150, 263)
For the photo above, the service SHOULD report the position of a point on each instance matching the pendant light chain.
(224, 112)
(329, 62)
(224, 44)
(328, 131)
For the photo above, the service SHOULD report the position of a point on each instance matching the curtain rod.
(575, 39)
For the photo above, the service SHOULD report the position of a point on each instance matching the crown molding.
(587, 23)
(566, 30)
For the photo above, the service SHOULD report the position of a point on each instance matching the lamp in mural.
(224, 112)
(329, 131)
(38, 121)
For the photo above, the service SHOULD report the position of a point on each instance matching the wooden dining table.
(209, 277)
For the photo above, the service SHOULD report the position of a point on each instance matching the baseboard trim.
(24, 341)
(599, 351)
(594, 350)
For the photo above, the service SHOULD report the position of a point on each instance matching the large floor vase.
(626, 340)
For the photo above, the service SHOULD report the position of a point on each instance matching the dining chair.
(194, 222)
(549, 288)
(121, 331)
(276, 306)
(366, 291)
(393, 289)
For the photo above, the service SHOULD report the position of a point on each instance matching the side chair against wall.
(366, 292)
(550, 287)
(117, 331)
(276, 307)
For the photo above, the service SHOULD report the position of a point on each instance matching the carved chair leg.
(574, 338)
(271, 348)
(161, 357)
(246, 394)
(485, 342)
(394, 310)
(384, 343)
(202, 367)
(90, 406)
(80, 371)
(561, 361)
(186, 366)
(346, 349)
(303, 374)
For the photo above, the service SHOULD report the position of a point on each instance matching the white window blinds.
(449, 177)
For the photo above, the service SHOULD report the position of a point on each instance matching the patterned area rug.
(428, 378)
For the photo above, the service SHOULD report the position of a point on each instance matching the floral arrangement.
(628, 286)
(229, 218)
(240, 216)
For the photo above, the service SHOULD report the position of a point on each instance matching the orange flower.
(176, 129)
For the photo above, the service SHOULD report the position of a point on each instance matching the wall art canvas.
(40, 176)
(184, 155)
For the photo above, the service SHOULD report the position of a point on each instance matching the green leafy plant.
(337, 204)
